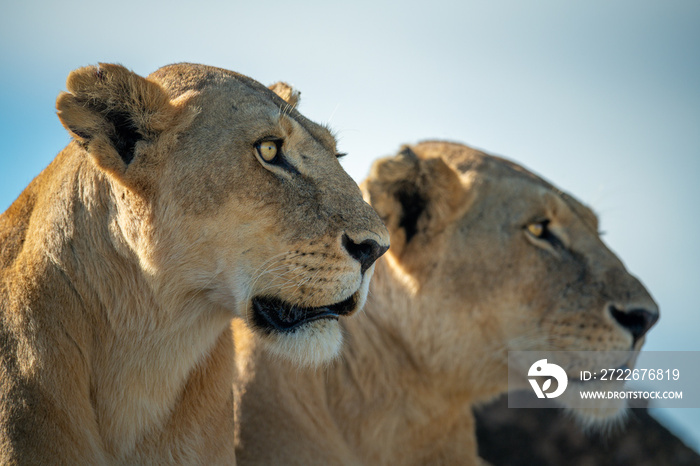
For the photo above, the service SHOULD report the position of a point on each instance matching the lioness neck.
(395, 402)
(139, 354)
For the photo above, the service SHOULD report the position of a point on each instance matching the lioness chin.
(185, 198)
(486, 258)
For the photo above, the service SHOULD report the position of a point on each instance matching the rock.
(529, 437)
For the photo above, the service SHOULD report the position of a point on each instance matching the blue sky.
(602, 98)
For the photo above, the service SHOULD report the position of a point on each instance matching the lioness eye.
(537, 229)
(267, 150)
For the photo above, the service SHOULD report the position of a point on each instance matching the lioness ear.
(415, 197)
(286, 93)
(111, 110)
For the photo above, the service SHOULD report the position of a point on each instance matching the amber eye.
(268, 150)
(537, 229)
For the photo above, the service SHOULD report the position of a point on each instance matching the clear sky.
(600, 97)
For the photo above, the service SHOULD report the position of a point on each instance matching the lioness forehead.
(181, 78)
(467, 160)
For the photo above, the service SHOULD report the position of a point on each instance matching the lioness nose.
(365, 252)
(636, 321)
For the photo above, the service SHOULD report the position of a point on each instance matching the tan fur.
(123, 262)
(461, 286)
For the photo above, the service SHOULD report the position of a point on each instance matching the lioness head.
(502, 261)
(228, 197)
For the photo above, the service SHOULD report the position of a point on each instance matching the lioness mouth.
(273, 314)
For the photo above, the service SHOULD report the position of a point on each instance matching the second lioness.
(486, 258)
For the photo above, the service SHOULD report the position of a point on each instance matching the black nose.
(636, 321)
(365, 252)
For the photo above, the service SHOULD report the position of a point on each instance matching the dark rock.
(542, 437)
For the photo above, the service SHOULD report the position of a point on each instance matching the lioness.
(185, 198)
(486, 258)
